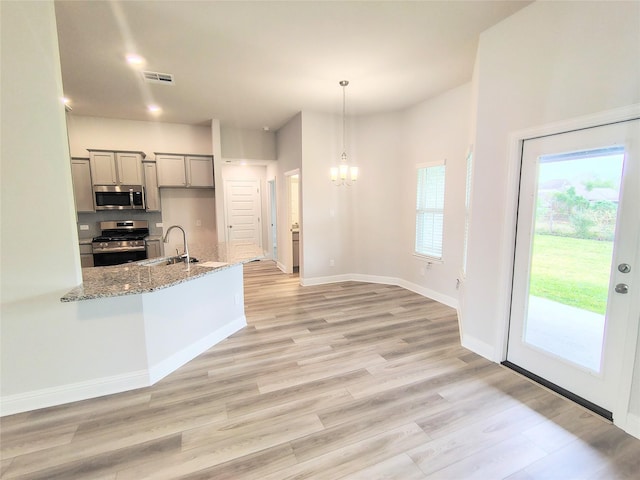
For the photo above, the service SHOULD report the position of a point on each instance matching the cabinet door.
(200, 170)
(154, 248)
(129, 168)
(171, 171)
(82, 191)
(151, 187)
(103, 168)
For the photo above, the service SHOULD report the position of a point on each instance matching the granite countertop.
(150, 275)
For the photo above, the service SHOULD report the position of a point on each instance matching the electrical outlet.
(159, 225)
(84, 227)
(332, 263)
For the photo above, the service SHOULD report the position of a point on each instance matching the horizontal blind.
(430, 210)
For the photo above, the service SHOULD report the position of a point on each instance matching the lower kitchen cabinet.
(154, 248)
(86, 255)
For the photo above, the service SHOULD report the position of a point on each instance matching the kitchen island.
(160, 314)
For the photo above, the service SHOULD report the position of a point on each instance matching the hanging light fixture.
(344, 174)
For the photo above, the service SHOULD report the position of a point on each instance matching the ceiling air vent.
(156, 77)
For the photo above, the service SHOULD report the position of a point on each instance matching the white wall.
(550, 62)
(149, 137)
(289, 148)
(248, 144)
(327, 212)
(368, 229)
(42, 338)
(436, 130)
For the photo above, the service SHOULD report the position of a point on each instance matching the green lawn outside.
(571, 271)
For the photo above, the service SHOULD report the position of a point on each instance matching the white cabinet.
(192, 171)
(151, 187)
(82, 191)
(116, 167)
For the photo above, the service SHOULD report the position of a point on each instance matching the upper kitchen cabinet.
(111, 167)
(190, 171)
(151, 187)
(82, 186)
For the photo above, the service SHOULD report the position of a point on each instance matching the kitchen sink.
(161, 262)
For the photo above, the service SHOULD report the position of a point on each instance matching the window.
(430, 210)
(467, 210)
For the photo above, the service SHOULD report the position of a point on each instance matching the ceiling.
(256, 64)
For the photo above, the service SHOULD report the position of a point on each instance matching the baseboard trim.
(160, 370)
(478, 346)
(632, 425)
(73, 392)
(357, 277)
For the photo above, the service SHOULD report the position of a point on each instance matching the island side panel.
(187, 319)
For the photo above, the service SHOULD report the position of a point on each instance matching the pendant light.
(344, 174)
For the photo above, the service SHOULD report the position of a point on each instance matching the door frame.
(273, 218)
(288, 250)
(514, 154)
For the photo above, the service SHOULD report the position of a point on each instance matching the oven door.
(105, 259)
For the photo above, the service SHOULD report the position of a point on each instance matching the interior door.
(243, 210)
(576, 257)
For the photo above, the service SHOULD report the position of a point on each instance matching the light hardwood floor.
(349, 380)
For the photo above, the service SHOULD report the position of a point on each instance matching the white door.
(243, 207)
(577, 249)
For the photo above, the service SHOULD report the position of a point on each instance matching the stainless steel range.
(120, 242)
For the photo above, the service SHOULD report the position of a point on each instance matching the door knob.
(624, 268)
(622, 288)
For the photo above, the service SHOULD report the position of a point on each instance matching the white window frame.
(432, 203)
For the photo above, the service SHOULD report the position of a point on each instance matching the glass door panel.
(575, 223)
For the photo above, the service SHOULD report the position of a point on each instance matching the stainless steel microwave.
(118, 197)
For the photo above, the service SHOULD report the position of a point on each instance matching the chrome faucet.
(184, 239)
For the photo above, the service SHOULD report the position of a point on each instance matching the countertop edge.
(76, 294)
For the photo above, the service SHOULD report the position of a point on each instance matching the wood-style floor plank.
(341, 381)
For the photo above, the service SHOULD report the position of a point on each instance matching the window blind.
(430, 210)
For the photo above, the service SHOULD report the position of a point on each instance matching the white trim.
(357, 277)
(73, 392)
(478, 346)
(171, 364)
(632, 425)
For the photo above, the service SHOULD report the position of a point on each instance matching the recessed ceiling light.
(154, 109)
(134, 60)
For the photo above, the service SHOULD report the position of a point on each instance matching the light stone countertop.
(143, 277)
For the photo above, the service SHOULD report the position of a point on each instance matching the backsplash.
(92, 220)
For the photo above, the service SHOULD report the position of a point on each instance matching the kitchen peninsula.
(173, 312)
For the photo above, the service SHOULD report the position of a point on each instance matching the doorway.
(294, 219)
(576, 258)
